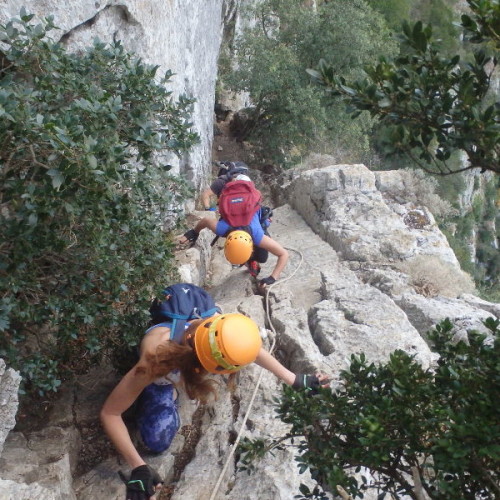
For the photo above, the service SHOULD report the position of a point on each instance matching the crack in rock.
(122, 11)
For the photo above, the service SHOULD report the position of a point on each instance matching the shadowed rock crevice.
(236, 403)
(192, 434)
(120, 12)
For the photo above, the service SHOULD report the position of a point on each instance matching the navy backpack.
(183, 302)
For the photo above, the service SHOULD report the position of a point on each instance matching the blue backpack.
(183, 302)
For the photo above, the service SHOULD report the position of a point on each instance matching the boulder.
(9, 385)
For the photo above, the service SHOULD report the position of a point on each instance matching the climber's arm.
(275, 248)
(204, 223)
(297, 380)
(192, 234)
(120, 399)
(206, 196)
(269, 362)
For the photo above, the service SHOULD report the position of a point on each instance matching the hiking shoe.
(253, 268)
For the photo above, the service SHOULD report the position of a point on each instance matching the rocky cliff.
(369, 272)
(179, 35)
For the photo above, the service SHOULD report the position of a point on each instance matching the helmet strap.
(214, 347)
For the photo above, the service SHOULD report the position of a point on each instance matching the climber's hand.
(142, 483)
(311, 383)
(189, 237)
(266, 281)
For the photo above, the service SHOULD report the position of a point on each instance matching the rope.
(261, 373)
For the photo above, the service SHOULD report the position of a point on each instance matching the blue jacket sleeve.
(222, 228)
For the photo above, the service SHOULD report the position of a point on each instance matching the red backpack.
(238, 202)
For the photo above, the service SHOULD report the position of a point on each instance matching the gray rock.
(324, 313)
(344, 206)
(181, 36)
(43, 459)
(9, 385)
(10, 490)
(472, 300)
(424, 313)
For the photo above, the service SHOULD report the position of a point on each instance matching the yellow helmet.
(238, 247)
(226, 343)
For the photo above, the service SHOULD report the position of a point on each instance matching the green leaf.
(348, 90)
(316, 75)
(384, 103)
(33, 219)
(92, 161)
(57, 178)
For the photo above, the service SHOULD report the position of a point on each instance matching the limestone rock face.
(359, 279)
(11, 490)
(180, 35)
(44, 458)
(9, 385)
(324, 312)
(346, 207)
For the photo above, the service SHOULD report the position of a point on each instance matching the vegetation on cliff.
(426, 103)
(288, 117)
(399, 429)
(431, 105)
(83, 194)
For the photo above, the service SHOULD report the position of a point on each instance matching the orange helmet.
(226, 343)
(238, 247)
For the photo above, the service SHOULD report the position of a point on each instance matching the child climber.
(238, 250)
(242, 246)
(172, 358)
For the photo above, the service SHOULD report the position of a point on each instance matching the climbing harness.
(261, 373)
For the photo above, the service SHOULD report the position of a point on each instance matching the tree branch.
(343, 493)
(417, 484)
(35, 161)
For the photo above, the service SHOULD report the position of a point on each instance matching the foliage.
(478, 227)
(288, 116)
(394, 11)
(439, 13)
(451, 187)
(487, 252)
(460, 245)
(406, 425)
(83, 195)
(436, 12)
(432, 105)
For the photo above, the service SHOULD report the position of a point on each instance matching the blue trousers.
(158, 419)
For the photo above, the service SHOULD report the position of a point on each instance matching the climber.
(241, 212)
(228, 171)
(182, 356)
(249, 245)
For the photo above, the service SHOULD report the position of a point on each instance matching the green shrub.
(394, 11)
(439, 13)
(288, 118)
(404, 424)
(84, 193)
(431, 105)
